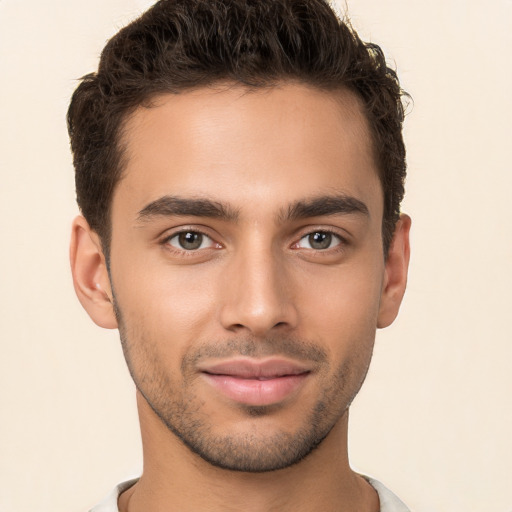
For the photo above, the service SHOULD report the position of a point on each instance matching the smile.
(256, 383)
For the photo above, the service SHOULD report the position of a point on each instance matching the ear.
(395, 273)
(90, 276)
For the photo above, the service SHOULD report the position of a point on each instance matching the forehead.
(269, 146)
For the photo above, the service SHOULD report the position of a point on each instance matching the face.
(247, 268)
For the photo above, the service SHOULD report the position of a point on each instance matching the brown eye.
(190, 241)
(319, 240)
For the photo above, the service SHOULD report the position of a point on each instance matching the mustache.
(292, 348)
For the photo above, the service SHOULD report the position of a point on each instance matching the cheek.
(164, 304)
(342, 307)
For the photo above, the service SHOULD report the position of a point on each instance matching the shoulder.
(109, 503)
(389, 502)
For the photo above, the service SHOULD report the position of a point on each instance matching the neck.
(175, 479)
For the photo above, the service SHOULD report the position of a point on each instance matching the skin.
(258, 285)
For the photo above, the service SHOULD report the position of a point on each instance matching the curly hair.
(178, 45)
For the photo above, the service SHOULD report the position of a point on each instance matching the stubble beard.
(179, 409)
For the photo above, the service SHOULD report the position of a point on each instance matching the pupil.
(190, 240)
(320, 240)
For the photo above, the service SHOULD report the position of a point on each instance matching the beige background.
(434, 420)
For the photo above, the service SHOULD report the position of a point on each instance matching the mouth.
(256, 382)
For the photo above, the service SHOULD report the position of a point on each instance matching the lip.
(256, 382)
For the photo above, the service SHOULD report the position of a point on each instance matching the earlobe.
(90, 276)
(395, 273)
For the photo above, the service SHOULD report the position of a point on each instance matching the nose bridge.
(257, 292)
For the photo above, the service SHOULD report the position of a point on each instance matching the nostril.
(236, 327)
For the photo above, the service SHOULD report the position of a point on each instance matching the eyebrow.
(167, 206)
(325, 205)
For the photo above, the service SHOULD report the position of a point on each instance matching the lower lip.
(254, 391)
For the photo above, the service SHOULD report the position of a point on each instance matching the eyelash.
(339, 247)
(184, 252)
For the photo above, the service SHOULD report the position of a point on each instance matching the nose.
(257, 294)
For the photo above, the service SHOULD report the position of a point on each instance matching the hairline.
(151, 101)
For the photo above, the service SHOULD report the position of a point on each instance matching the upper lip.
(255, 369)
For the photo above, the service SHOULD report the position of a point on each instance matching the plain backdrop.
(434, 419)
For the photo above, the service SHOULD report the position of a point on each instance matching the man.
(239, 169)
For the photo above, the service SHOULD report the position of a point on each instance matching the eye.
(190, 241)
(319, 240)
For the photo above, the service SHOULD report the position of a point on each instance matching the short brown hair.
(178, 45)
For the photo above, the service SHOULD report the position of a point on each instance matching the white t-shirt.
(388, 501)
